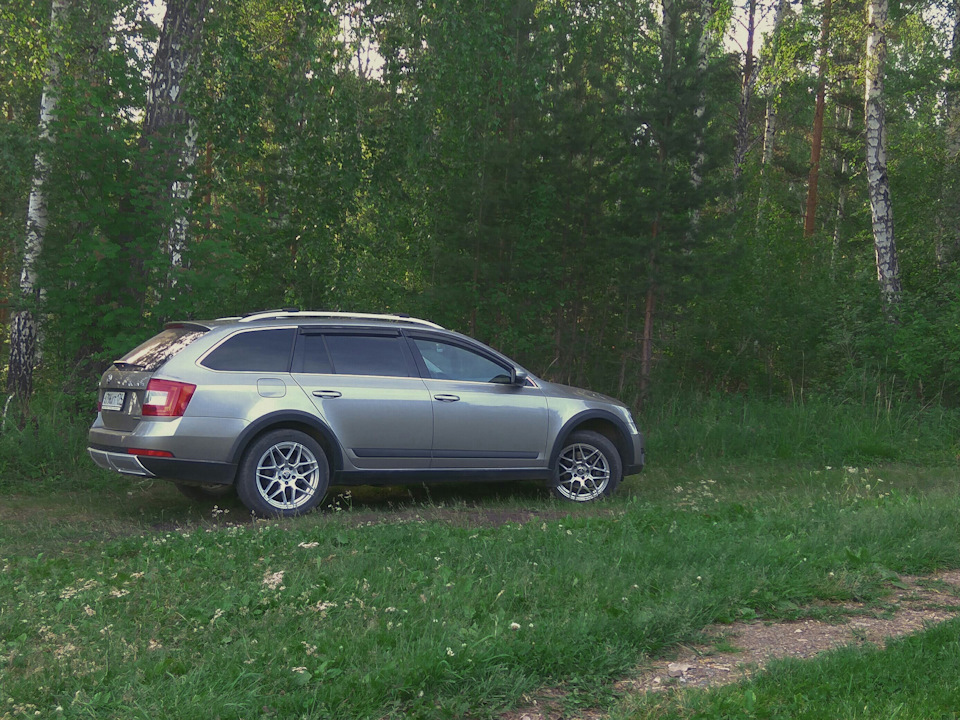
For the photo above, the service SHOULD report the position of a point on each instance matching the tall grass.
(48, 448)
(45, 447)
(703, 427)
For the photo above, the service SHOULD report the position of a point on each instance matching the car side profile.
(283, 404)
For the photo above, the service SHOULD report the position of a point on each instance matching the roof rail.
(287, 313)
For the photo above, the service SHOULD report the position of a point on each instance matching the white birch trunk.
(773, 91)
(948, 215)
(24, 325)
(703, 55)
(770, 124)
(881, 204)
(770, 116)
(166, 118)
(746, 94)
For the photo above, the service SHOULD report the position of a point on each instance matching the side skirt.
(416, 477)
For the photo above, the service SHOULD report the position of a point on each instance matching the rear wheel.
(284, 473)
(589, 468)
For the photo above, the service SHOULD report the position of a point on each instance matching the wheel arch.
(290, 420)
(604, 423)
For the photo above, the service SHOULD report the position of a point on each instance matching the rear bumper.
(187, 471)
(119, 462)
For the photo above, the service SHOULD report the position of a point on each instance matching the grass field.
(122, 599)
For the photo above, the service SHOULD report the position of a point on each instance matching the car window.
(368, 355)
(452, 362)
(314, 357)
(161, 347)
(254, 351)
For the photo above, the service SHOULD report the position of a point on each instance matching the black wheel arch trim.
(282, 419)
(571, 425)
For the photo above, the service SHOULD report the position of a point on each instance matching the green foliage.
(522, 171)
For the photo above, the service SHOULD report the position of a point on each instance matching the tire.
(206, 493)
(588, 468)
(284, 473)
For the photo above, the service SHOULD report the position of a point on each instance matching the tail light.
(166, 398)
(149, 453)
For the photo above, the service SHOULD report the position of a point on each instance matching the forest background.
(675, 202)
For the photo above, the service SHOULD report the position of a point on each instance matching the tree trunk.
(881, 204)
(668, 55)
(166, 122)
(24, 326)
(770, 120)
(703, 55)
(948, 215)
(746, 93)
(843, 170)
(816, 144)
(770, 124)
(646, 347)
(952, 100)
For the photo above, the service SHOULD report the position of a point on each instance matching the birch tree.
(947, 232)
(772, 92)
(705, 15)
(167, 154)
(166, 118)
(881, 204)
(25, 323)
(770, 115)
(746, 93)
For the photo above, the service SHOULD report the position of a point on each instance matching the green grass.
(121, 598)
(136, 605)
(822, 430)
(913, 677)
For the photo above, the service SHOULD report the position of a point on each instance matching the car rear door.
(365, 385)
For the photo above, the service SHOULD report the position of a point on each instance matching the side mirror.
(519, 376)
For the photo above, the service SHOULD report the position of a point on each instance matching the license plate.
(113, 400)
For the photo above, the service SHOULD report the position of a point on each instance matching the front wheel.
(589, 468)
(283, 474)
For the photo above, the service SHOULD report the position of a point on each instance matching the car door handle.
(445, 397)
(327, 393)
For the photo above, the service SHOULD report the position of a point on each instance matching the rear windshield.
(157, 350)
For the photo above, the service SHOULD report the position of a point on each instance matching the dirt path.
(922, 601)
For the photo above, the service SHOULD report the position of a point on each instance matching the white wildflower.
(273, 580)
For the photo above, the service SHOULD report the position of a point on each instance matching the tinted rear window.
(314, 358)
(254, 351)
(368, 355)
(161, 347)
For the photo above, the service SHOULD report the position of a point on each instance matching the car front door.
(481, 419)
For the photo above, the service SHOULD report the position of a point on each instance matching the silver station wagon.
(282, 404)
